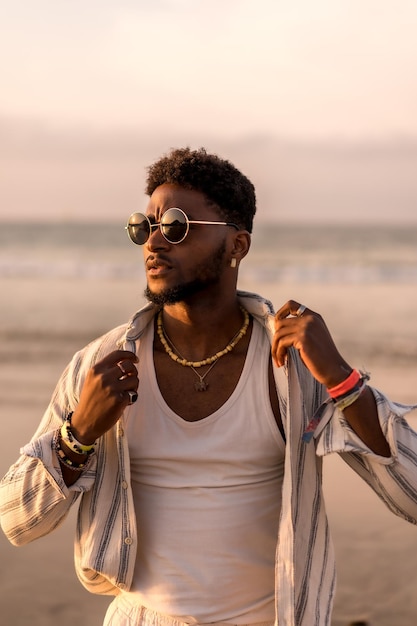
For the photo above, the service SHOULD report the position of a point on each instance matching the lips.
(157, 265)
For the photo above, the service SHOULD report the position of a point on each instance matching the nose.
(156, 239)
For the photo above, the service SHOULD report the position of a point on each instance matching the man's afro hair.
(220, 181)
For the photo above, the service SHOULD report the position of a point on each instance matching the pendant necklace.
(172, 351)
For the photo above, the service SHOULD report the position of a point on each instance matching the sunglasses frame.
(161, 224)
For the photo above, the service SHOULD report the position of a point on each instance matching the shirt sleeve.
(34, 498)
(393, 478)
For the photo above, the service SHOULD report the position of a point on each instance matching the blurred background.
(316, 103)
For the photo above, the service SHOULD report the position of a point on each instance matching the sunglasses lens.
(138, 228)
(174, 225)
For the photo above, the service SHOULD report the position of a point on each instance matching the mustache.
(156, 260)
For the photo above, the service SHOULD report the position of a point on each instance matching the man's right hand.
(104, 395)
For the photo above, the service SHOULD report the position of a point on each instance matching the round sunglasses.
(174, 226)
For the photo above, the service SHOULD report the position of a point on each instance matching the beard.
(207, 274)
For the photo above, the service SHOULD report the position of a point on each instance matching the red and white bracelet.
(348, 391)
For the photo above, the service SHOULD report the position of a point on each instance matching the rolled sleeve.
(34, 497)
(42, 449)
(393, 478)
(335, 435)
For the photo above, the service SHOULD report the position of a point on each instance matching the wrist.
(67, 458)
(76, 444)
(337, 376)
(349, 390)
(347, 383)
(74, 456)
(81, 433)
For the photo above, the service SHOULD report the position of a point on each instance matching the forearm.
(362, 417)
(69, 475)
(73, 456)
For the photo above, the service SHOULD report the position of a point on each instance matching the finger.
(288, 330)
(280, 343)
(129, 384)
(126, 368)
(123, 378)
(279, 354)
(289, 308)
(129, 397)
(117, 356)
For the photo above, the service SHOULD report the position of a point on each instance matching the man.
(194, 434)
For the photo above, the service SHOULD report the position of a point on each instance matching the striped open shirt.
(34, 498)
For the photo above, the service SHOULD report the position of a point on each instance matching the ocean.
(85, 277)
(285, 253)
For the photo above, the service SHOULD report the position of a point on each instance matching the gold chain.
(209, 360)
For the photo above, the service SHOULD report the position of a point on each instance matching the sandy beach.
(44, 322)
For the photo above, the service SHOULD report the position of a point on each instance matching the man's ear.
(241, 245)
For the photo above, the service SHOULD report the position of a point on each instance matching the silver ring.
(133, 396)
(121, 368)
(300, 310)
(125, 374)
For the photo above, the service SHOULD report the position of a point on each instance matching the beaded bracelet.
(71, 442)
(64, 460)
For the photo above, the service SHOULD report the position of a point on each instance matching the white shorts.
(123, 612)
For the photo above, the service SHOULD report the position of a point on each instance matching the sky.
(97, 75)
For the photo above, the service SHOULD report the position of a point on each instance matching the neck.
(199, 331)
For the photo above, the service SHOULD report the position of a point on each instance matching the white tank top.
(207, 498)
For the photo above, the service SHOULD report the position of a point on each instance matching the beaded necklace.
(176, 356)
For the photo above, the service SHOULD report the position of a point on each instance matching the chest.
(247, 369)
(179, 385)
(229, 425)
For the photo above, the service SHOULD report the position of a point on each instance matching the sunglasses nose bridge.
(156, 235)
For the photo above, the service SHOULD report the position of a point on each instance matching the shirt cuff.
(335, 435)
(42, 449)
